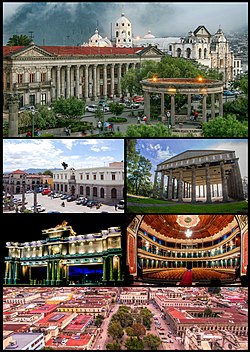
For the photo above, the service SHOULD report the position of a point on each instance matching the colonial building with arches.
(163, 249)
(104, 184)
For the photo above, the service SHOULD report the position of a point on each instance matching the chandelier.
(188, 233)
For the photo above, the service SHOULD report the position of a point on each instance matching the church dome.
(149, 35)
(95, 38)
(123, 20)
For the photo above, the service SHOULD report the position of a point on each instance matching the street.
(54, 204)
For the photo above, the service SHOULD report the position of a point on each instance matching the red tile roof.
(46, 308)
(77, 50)
(81, 341)
(19, 172)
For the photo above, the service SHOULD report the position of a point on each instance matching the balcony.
(33, 85)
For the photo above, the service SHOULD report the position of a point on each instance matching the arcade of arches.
(165, 248)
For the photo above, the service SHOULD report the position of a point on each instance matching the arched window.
(178, 52)
(102, 193)
(113, 193)
(61, 188)
(81, 190)
(188, 53)
(94, 191)
(87, 191)
(205, 53)
(199, 53)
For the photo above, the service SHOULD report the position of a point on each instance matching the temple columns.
(193, 199)
(208, 184)
(224, 182)
(170, 184)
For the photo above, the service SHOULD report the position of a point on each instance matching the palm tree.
(19, 40)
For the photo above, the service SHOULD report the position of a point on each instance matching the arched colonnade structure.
(200, 175)
(185, 86)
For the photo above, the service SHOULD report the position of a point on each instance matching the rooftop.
(22, 340)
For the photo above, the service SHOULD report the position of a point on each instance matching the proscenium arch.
(184, 86)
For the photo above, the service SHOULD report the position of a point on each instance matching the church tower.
(123, 32)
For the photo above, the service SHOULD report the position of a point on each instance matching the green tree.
(139, 174)
(122, 317)
(116, 109)
(134, 344)
(143, 131)
(115, 346)
(98, 322)
(152, 341)
(138, 330)
(115, 330)
(24, 120)
(48, 172)
(44, 118)
(225, 127)
(19, 40)
(71, 107)
(146, 316)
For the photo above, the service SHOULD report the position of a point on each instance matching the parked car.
(138, 99)
(227, 93)
(85, 201)
(80, 200)
(92, 203)
(27, 108)
(91, 108)
(71, 198)
(64, 196)
(133, 106)
(39, 208)
(46, 191)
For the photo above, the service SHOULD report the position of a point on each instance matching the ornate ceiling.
(174, 226)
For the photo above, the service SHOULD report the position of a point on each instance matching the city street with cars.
(49, 204)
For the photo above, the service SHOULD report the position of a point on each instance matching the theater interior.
(188, 250)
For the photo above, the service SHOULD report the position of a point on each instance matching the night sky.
(28, 227)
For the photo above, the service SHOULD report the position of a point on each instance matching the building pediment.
(150, 51)
(195, 153)
(31, 51)
(201, 31)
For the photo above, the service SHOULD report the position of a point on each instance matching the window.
(95, 192)
(43, 76)
(117, 34)
(128, 32)
(32, 77)
(94, 177)
(80, 176)
(170, 48)
(43, 98)
(113, 177)
(65, 188)
(102, 177)
(102, 193)
(87, 177)
(20, 78)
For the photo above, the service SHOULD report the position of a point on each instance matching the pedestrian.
(115, 207)
(118, 129)
(138, 119)
(145, 119)
(29, 134)
(196, 115)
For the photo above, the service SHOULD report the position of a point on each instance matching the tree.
(144, 131)
(71, 107)
(48, 172)
(98, 322)
(138, 330)
(115, 330)
(122, 317)
(24, 119)
(225, 127)
(152, 341)
(116, 109)
(146, 316)
(115, 346)
(19, 40)
(139, 174)
(44, 118)
(134, 344)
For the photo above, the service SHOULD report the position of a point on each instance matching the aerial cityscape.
(126, 125)
(125, 318)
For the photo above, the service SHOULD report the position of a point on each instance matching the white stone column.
(94, 82)
(220, 104)
(119, 80)
(204, 108)
(86, 82)
(77, 80)
(212, 106)
(172, 110)
(68, 83)
(63, 82)
(72, 82)
(58, 81)
(147, 105)
(105, 81)
(113, 80)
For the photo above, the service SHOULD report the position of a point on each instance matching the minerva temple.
(199, 176)
(63, 258)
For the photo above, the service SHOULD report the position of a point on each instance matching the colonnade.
(178, 187)
(57, 273)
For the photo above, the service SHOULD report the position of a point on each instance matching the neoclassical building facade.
(63, 257)
(200, 174)
(41, 74)
(105, 184)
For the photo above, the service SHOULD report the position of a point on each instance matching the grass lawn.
(231, 208)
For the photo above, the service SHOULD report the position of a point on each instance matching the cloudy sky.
(65, 23)
(50, 153)
(159, 150)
